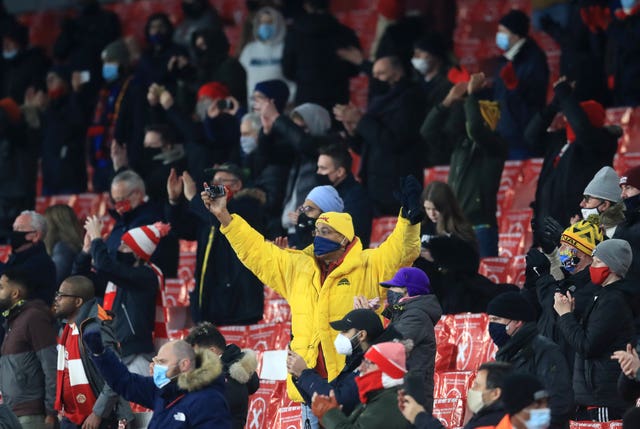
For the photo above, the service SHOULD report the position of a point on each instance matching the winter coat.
(152, 65)
(357, 204)
(262, 60)
(39, 267)
(454, 276)
(415, 317)
(581, 289)
(28, 361)
(595, 337)
(530, 352)
(380, 412)
(134, 305)
(296, 275)
(565, 175)
(387, 139)
(488, 416)
(195, 400)
(520, 104)
(476, 163)
(623, 59)
(310, 60)
(629, 230)
(63, 254)
(91, 316)
(167, 252)
(64, 131)
(443, 129)
(226, 292)
(28, 68)
(241, 381)
(629, 389)
(8, 420)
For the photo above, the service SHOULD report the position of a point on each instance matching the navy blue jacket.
(195, 400)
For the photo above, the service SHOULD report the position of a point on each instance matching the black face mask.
(126, 258)
(152, 152)
(304, 230)
(323, 180)
(381, 87)
(632, 204)
(18, 239)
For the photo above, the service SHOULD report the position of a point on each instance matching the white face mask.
(474, 400)
(588, 212)
(539, 419)
(248, 144)
(343, 345)
(202, 107)
(420, 64)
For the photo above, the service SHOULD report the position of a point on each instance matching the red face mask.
(599, 274)
(56, 93)
(123, 206)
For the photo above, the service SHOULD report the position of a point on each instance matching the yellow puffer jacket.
(295, 275)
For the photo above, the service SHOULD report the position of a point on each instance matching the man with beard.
(82, 396)
(28, 362)
(130, 283)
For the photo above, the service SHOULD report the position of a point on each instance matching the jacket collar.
(519, 341)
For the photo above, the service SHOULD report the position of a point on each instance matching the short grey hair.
(183, 350)
(132, 179)
(254, 119)
(38, 222)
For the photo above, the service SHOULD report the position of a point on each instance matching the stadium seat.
(381, 228)
(453, 384)
(438, 173)
(450, 411)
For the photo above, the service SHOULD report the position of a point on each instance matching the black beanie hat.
(513, 306)
(434, 44)
(520, 390)
(517, 22)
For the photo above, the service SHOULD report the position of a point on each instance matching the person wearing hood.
(153, 65)
(358, 330)
(512, 327)
(262, 57)
(239, 368)
(629, 230)
(197, 15)
(413, 311)
(82, 396)
(381, 374)
(60, 122)
(162, 154)
(520, 87)
(605, 327)
(572, 156)
(623, 62)
(186, 389)
(21, 66)
(117, 123)
(319, 200)
(602, 197)
(309, 58)
(130, 284)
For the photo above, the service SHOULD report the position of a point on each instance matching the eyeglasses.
(306, 209)
(66, 295)
(224, 181)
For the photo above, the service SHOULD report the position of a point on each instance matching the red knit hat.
(596, 114)
(213, 90)
(11, 108)
(390, 357)
(144, 239)
(631, 177)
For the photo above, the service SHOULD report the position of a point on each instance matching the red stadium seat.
(495, 269)
(381, 228)
(450, 411)
(516, 222)
(513, 244)
(439, 173)
(453, 384)
(472, 338)
(264, 404)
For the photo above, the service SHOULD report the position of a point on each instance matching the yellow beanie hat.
(341, 222)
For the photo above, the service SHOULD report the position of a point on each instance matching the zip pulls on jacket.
(126, 314)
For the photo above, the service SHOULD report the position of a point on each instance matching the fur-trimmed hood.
(208, 369)
(239, 365)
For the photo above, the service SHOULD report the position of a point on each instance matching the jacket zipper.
(126, 314)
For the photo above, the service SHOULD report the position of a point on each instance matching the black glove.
(538, 263)
(93, 340)
(551, 233)
(409, 197)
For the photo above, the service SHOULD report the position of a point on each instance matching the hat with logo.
(631, 177)
(341, 222)
(414, 279)
(583, 235)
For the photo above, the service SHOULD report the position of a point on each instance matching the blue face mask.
(160, 376)
(266, 31)
(632, 204)
(8, 55)
(569, 261)
(393, 297)
(498, 333)
(322, 246)
(502, 40)
(628, 4)
(110, 71)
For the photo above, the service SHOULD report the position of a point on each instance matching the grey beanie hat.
(616, 254)
(116, 51)
(605, 185)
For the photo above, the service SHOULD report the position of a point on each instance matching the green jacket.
(477, 160)
(380, 412)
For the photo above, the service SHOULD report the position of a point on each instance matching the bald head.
(81, 286)
(388, 69)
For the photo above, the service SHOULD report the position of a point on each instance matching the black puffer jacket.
(606, 326)
(530, 352)
(415, 318)
(629, 230)
(241, 381)
(309, 59)
(487, 417)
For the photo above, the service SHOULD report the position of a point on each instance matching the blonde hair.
(62, 225)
